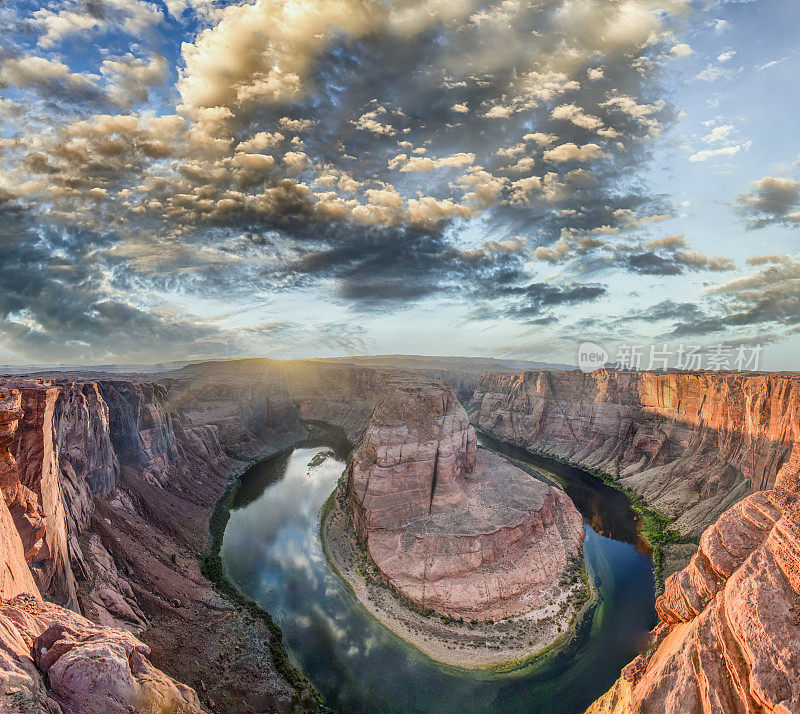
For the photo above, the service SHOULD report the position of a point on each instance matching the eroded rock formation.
(31, 486)
(116, 477)
(53, 660)
(136, 465)
(729, 636)
(454, 529)
(692, 444)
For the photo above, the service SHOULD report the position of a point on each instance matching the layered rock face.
(31, 487)
(729, 636)
(137, 465)
(417, 444)
(53, 660)
(454, 529)
(341, 395)
(15, 577)
(691, 443)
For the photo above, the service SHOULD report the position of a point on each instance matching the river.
(272, 552)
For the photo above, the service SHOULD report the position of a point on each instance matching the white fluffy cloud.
(573, 152)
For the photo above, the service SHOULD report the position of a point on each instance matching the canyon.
(691, 444)
(720, 454)
(728, 637)
(109, 483)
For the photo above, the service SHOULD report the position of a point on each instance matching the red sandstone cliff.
(729, 637)
(691, 443)
(141, 461)
(128, 470)
(454, 529)
(32, 487)
(51, 659)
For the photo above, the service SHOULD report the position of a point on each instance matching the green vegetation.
(320, 458)
(655, 527)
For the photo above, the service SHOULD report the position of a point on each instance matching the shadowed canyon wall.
(692, 444)
(117, 478)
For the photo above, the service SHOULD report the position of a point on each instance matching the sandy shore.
(505, 644)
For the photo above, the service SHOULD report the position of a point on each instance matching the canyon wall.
(31, 486)
(52, 659)
(114, 480)
(108, 485)
(454, 529)
(692, 444)
(729, 633)
(342, 395)
(418, 442)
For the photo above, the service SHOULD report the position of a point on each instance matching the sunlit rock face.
(729, 636)
(15, 577)
(453, 528)
(692, 444)
(31, 487)
(53, 660)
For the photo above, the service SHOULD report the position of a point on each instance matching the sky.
(296, 178)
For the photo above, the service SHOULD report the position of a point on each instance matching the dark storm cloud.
(650, 263)
(531, 303)
(766, 299)
(55, 290)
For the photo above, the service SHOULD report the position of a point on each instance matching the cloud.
(130, 16)
(425, 164)
(130, 78)
(681, 50)
(369, 122)
(719, 133)
(49, 78)
(237, 148)
(707, 154)
(712, 73)
(573, 152)
(772, 200)
(768, 296)
(666, 256)
(578, 117)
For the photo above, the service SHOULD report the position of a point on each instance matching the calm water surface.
(271, 551)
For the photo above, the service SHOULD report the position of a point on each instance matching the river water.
(271, 551)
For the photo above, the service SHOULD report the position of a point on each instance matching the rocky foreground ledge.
(455, 531)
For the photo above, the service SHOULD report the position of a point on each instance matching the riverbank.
(256, 618)
(499, 646)
(670, 550)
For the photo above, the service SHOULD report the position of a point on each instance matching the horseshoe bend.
(116, 491)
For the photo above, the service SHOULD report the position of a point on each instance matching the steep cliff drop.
(116, 479)
(692, 444)
(108, 485)
(729, 636)
(455, 530)
(52, 659)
